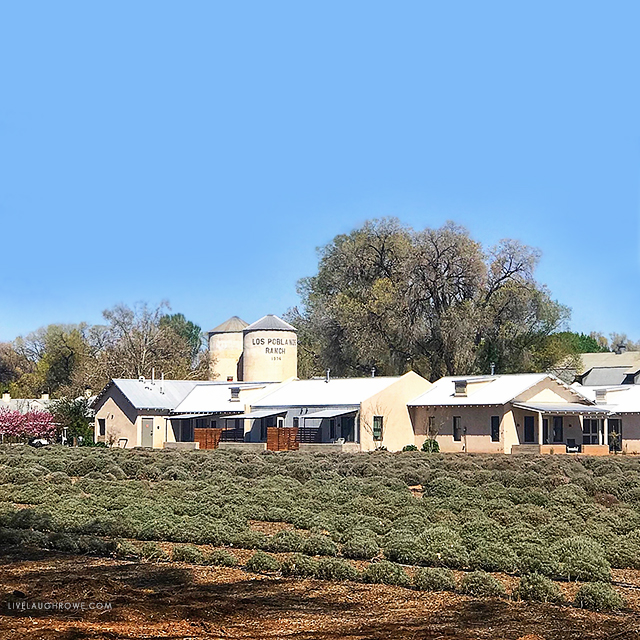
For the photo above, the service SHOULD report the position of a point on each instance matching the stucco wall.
(391, 404)
(475, 427)
(120, 419)
(630, 432)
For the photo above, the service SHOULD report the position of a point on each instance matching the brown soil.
(178, 601)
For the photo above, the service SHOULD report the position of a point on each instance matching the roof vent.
(601, 396)
(461, 388)
(141, 379)
(235, 394)
(328, 376)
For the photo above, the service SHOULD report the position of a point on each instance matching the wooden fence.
(282, 438)
(208, 438)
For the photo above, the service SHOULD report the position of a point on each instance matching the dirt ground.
(175, 601)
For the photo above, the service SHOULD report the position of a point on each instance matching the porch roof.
(257, 414)
(562, 407)
(331, 413)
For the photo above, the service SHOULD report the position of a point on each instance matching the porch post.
(604, 430)
(540, 432)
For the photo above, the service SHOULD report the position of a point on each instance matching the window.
(263, 429)
(457, 431)
(214, 424)
(590, 429)
(102, 426)
(495, 428)
(545, 431)
(296, 422)
(377, 427)
(529, 431)
(332, 429)
(201, 423)
(558, 429)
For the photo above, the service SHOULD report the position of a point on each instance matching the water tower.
(270, 351)
(225, 349)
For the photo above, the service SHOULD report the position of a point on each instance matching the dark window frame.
(378, 428)
(495, 428)
(457, 428)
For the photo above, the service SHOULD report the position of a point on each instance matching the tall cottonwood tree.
(390, 297)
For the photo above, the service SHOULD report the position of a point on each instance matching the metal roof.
(562, 407)
(232, 325)
(619, 399)
(270, 323)
(318, 393)
(154, 395)
(496, 390)
(181, 396)
(216, 397)
(606, 376)
(331, 413)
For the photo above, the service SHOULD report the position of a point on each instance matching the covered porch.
(561, 428)
(335, 426)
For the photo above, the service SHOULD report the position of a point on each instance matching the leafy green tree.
(188, 331)
(390, 297)
(76, 415)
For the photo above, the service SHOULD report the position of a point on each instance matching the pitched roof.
(624, 398)
(318, 393)
(232, 325)
(270, 323)
(610, 359)
(216, 397)
(147, 395)
(499, 389)
(606, 376)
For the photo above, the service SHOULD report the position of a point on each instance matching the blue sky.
(201, 151)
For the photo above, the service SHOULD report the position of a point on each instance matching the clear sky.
(200, 151)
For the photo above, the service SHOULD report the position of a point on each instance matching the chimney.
(153, 375)
(162, 383)
(601, 396)
(461, 388)
(328, 376)
(235, 394)
(45, 397)
(87, 393)
(6, 397)
(373, 372)
(620, 348)
(493, 368)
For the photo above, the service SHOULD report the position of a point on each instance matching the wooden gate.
(282, 439)
(208, 438)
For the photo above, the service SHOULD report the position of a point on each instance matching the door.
(558, 429)
(590, 427)
(147, 432)
(348, 424)
(529, 431)
(615, 434)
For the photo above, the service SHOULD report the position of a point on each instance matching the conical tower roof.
(232, 325)
(270, 323)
